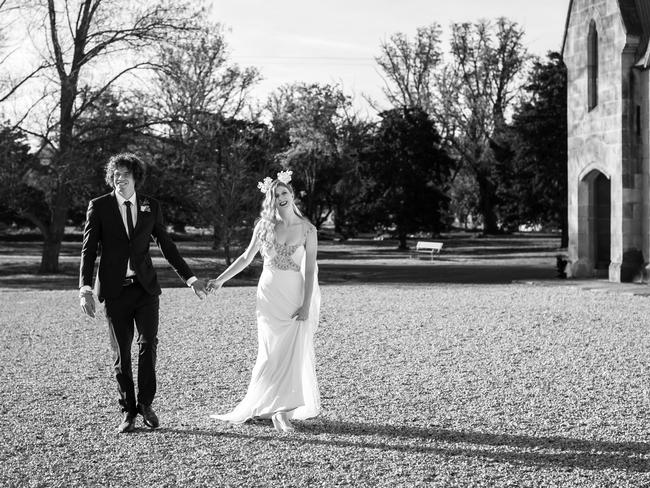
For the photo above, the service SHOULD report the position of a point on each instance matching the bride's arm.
(311, 246)
(238, 264)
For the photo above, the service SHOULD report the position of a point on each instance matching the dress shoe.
(281, 422)
(149, 416)
(128, 423)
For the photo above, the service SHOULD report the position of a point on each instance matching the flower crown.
(265, 184)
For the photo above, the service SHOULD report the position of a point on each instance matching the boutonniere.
(144, 206)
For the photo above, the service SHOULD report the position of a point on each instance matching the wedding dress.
(284, 376)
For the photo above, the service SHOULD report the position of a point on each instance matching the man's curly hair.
(130, 161)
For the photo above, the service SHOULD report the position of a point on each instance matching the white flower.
(285, 176)
(265, 184)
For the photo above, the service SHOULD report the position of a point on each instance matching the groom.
(121, 225)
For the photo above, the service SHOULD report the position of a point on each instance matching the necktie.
(129, 219)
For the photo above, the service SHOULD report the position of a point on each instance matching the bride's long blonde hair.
(269, 215)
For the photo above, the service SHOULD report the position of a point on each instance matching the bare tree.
(409, 67)
(196, 77)
(4, 10)
(10, 83)
(85, 41)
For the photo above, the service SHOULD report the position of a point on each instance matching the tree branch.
(56, 45)
(107, 85)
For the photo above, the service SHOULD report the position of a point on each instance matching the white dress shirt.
(134, 215)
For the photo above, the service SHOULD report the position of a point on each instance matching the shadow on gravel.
(517, 449)
(437, 272)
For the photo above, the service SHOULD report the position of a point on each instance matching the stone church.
(607, 56)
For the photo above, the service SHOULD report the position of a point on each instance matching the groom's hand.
(87, 303)
(199, 289)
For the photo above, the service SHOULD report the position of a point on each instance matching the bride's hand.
(302, 313)
(214, 285)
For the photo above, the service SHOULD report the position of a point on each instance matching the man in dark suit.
(121, 224)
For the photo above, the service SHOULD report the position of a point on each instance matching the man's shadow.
(507, 448)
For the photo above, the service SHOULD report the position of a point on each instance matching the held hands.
(199, 289)
(302, 313)
(214, 285)
(203, 289)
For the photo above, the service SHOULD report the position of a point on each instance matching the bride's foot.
(281, 423)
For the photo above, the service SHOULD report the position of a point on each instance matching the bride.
(283, 382)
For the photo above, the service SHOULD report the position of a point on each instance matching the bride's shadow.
(506, 448)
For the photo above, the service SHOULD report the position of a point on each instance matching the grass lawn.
(431, 374)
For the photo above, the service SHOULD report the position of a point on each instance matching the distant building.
(606, 53)
(44, 151)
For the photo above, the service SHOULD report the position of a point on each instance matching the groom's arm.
(90, 243)
(91, 235)
(171, 254)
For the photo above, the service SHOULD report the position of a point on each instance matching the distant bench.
(430, 248)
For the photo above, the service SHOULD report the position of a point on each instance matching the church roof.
(636, 19)
(641, 25)
(631, 13)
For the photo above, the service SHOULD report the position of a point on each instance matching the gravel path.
(422, 385)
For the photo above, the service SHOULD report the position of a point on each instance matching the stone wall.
(643, 99)
(602, 139)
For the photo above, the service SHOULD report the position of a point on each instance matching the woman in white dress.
(283, 382)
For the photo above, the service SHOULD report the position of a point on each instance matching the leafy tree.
(231, 165)
(311, 115)
(408, 173)
(468, 97)
(476, 91)
(464, 199)
(20, 202)
(535, 160)
(195, 87)
(351, 211)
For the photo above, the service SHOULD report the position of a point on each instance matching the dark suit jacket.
(105, 230)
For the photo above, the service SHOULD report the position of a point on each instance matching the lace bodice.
(282, 256)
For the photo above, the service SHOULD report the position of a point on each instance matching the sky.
(335, 41)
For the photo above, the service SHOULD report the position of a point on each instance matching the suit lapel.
(118, 216)
(141, 215)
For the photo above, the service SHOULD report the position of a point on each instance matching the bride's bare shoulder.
(308, 226)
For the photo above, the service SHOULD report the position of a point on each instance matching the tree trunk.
(216, 235)
(60, 201)
(344, 231)
(54, 235)
(50, 255)
(226, 241)
(226, 253)
(487, 204)
(564, 226)
(402, 240)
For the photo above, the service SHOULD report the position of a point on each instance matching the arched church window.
(592, 66)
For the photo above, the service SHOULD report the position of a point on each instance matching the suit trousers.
(134, 306)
